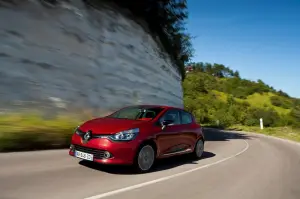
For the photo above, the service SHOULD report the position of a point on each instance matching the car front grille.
(98, 154)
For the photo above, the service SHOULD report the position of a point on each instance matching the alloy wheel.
(199, 149)
(146, 158)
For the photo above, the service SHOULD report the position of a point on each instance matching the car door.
(168, 140)
(188, 134)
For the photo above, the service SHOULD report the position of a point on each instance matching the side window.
(186, 117)
(172, 115)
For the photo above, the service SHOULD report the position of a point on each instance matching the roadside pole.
(261, 123)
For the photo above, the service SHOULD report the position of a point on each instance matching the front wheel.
(199, 149)
(144, 159)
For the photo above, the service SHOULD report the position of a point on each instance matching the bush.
(270, 117)
(212, 93)
(281, 102)
(225, 118)
(295, 116)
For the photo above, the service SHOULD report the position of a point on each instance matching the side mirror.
(166, 123)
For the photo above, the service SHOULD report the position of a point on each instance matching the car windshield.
(137, 113)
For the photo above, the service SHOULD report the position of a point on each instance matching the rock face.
(76, 57)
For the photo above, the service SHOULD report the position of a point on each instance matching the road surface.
(234, 166)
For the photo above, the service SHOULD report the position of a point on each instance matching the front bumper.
(122, 153)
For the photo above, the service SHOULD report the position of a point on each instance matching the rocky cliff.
(73, 56)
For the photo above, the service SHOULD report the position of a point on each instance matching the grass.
(31, 131)
(287, 132)
(281, 132)
(263, 101)
(255, 100)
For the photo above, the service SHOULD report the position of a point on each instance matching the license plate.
(85, 156)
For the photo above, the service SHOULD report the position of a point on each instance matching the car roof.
(154, 106)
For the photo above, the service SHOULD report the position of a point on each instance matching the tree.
(295, 115)
(215, 92)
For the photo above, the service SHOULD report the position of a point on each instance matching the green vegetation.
(216, 95)
(281, 132)
(30, 131)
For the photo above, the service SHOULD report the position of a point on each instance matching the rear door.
(168, 140)
(188, 134)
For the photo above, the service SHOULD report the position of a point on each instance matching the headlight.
(125, 135)
(76, 130)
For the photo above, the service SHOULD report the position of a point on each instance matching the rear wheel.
(145, 158)
(199, 149)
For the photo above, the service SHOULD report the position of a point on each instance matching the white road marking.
(118, 191)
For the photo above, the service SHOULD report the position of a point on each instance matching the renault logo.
(87, 136)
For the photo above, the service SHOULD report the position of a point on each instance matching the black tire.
(142, 165)
(198, 150)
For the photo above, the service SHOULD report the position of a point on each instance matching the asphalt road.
(234, 166)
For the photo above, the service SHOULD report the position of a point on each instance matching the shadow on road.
(168, 163)
(211, 135)
(160, 165)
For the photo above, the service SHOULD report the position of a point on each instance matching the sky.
(259, 38)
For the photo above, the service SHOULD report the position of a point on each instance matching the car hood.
(110, 125)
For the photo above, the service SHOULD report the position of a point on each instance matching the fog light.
(107, 154)
(72, 148)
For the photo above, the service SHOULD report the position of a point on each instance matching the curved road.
(234, 166)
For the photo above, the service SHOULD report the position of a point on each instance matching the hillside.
(215, 93)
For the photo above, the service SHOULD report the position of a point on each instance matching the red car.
(138, 135)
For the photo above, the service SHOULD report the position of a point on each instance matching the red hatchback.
(137, 135)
